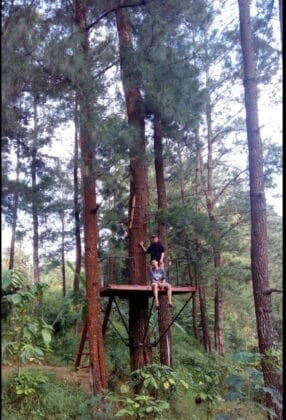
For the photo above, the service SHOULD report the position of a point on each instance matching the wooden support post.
(106, 316)
(132, 211)
(81, 345)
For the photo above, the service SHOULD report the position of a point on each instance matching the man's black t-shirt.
(155, 250)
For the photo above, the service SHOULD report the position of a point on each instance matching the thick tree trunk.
(36, 273)
(15, 210)
(259, 257)
(76, 206)
(164, 312)
(62, 217)
(98, 374)
(140, 350)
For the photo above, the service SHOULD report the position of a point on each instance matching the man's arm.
(162, 249)
(141, 243)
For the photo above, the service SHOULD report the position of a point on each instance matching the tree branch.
(271, 290)
(232, 226)
(101, 72)
(113, 9)
(228, 184)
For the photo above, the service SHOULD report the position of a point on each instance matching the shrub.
(35, 394)
(28, 337)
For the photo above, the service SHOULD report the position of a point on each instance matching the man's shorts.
(165, 284)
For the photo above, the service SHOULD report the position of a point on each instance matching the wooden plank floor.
(128, 290)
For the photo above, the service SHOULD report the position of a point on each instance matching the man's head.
(154, 238)
(154, 264)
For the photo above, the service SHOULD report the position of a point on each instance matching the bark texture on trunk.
(36, 272)
(164, 317)
(259, 257)
(140, 350)
(76, 205)
(98, 374)
(15, 210)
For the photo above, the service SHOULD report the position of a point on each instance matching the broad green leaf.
(166, 385)
(235, 381)
(233, 395)
(15, 298)
(47, 336)
(124, 412)
(6, 279)
(27, 334)
(124, 389)
(33, 327)
(184, 384)
(39, 352)
(203, 396)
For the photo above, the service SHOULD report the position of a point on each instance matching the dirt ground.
(80, 377)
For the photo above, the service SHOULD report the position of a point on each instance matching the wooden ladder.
(84, 334)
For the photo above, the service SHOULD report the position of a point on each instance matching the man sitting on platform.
(158, 281)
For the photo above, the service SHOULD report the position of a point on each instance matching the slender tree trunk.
(15, 209)
(188, 244)
(36, 273)
(76, 206)
(259, 257)
(140, 350)
(182, 177)
(194, 301)
(164, 312)
(62, 217)
(204, 318)
(201, 287)
(218, 301)
(98, 374)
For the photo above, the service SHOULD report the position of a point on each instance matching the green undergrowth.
(37, 394)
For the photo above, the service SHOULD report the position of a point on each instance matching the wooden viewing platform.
(128, 290)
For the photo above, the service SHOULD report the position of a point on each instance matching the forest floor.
(80, 377)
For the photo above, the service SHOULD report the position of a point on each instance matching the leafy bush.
(23, 385)
(28, 337)
(142, 406)
(157, 379)
(246, 384)
(38, 394)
